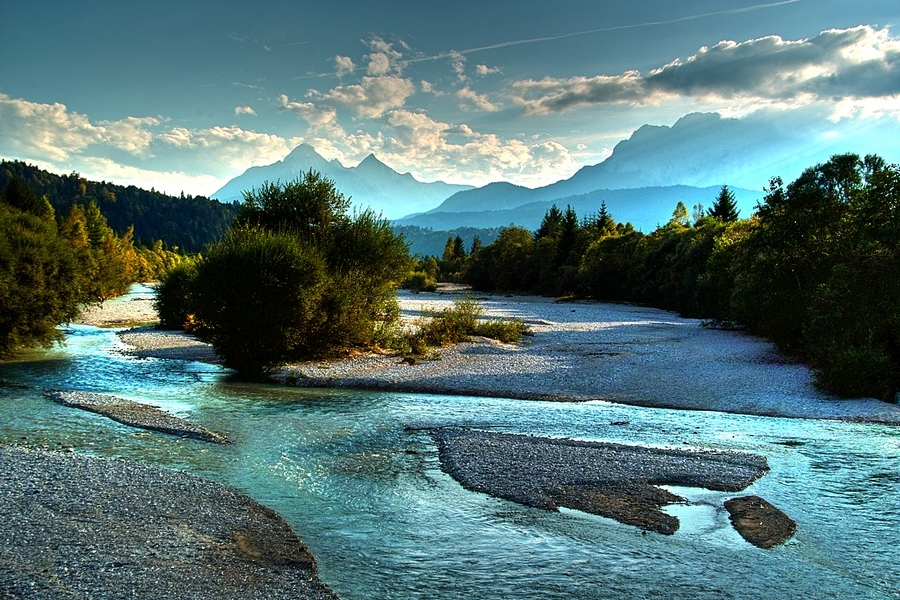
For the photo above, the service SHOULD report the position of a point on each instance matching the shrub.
(419, 281)
(295, 278)
(259, 297)
(173, 297)
(458, 324)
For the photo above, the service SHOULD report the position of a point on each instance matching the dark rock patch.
(612, 480)
(759, 522)
(135, 414)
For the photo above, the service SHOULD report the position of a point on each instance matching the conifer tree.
(725, 207)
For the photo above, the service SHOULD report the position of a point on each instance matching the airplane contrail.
(560, 36)
(602, 29)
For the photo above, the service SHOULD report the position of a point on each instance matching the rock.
(758, 522)
(75, 527)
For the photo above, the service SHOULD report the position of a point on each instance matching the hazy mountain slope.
(369, 184)
(699, 150)
(645, 208)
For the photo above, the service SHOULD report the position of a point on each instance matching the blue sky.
(183, 96)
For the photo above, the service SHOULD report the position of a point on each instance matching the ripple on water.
(361, 484)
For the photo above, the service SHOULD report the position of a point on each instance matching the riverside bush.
(173, 297)
(295, 278)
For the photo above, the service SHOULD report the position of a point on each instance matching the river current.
(357, 476)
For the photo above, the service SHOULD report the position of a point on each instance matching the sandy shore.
(579, 352)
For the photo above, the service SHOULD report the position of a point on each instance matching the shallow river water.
(357, 476)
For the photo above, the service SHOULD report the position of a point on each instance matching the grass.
(454, 325)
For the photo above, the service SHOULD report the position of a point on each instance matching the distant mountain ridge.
(646, 175)
(369, 184)
(646, 208)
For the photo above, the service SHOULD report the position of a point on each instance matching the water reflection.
(357, 476)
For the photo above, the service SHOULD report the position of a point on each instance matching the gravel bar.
(77, 527)
(612, 480)
(759, 522)
(136, 414)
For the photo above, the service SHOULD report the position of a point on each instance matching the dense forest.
(816, 269)
(428, 242)
(187, 223)
(51, 263)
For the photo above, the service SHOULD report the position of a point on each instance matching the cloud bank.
(837, 65)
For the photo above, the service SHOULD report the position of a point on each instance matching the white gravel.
(579, 351)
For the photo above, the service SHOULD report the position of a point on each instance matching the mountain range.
(370, 184)
(641, 181)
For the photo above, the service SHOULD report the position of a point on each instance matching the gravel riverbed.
(76, 527)
(579, 351)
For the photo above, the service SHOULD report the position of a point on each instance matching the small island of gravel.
(80, 527)
(136, 414)
(611, 480)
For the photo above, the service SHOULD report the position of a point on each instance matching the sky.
(183, 96)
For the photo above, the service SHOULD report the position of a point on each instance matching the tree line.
(183, 223)
(52, 264)
(816, 269)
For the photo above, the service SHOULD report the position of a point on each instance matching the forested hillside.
(186, 222)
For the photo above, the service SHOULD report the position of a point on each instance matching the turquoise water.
(358, 478)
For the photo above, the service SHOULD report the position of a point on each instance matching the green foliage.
(458, 324)
(724, 208)
(186, 223)
(419, 281)
(174, 295)
(307, 206)
(816, 270)
(258, 296)
(295, 278)
(38, 280)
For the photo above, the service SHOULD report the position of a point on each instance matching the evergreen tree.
(550, 225)
(725, 206)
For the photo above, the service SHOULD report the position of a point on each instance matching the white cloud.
(372, 97)
(146, 151)
(472, 98)
(169, 182)
(52, 132)
(310, 112)
(383, 59)
(434, 150)
(343, 65)
(244, 110)
(861, 62)
(458, 64)
(483, 70)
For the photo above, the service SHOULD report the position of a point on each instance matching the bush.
(38, 280)
(258, 295)
(418, 281)
(295, 278)
(173, 297)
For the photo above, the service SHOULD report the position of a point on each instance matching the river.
(357, 476)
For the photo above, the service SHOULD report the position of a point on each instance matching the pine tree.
(725, 207)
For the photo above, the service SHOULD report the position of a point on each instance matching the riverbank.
(83, 527)
(580, 351)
